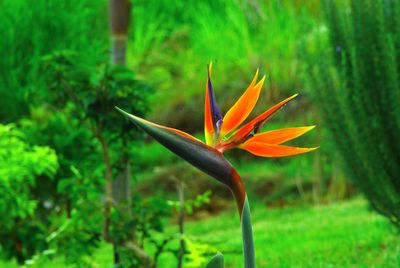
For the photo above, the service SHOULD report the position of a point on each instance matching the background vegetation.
(61, 143)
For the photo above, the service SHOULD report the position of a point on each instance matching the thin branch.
(181, 222)
(140, 254)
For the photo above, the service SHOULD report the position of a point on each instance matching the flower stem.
(247, 236)
(242, 203)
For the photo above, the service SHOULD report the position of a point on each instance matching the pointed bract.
(189, 148)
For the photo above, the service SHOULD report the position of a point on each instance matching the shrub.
(356, 84)
(24, 169)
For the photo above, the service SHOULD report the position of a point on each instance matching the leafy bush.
(88, 94)
(24, 170)
(357, 84)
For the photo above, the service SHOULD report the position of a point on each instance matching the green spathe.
(200, 155)
(217, 261)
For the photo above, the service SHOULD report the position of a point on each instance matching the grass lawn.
(338, 235)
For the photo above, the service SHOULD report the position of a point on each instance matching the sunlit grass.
(339, 235)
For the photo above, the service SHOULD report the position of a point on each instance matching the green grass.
(339, 235)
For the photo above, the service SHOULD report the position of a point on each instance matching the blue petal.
(215, 111)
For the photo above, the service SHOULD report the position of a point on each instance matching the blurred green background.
(82, 187)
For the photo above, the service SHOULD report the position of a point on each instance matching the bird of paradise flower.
(221, 134)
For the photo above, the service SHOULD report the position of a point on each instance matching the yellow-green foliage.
(21, 167)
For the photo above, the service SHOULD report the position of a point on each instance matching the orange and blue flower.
(225, 133)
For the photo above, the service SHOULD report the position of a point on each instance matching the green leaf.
(217, 261)
(247, 236)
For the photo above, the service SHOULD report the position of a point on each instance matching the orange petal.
(243, 106)
(280, 135)
(246, 129)
(273, 150)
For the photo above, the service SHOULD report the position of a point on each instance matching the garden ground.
(345, 234)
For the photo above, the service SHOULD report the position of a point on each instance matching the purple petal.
(215, 111)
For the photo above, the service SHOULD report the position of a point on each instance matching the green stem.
(247, 236)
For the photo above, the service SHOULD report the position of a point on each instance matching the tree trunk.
(119, 12)
(119, 15)
(108, 188)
